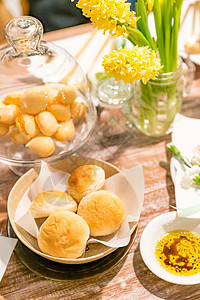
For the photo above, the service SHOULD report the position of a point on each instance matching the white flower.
(190, 174)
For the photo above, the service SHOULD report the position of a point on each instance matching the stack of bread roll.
(72, 217)
(42, 112)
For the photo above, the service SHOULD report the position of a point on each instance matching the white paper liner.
(128, 185)
(185, 137)
(7, 246)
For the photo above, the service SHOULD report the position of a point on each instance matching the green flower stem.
(177, 154)
(174, 38)
(142, 23)
(159, 32)
(146, 91)
(166, 31)
(167, 23)
(153, 110)
(183, 160)
(147, 107)
(175, 29)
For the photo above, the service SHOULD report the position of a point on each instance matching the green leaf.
(197, 179)
(136, 37)
(143, 22)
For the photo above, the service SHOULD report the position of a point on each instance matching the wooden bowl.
(69, 164)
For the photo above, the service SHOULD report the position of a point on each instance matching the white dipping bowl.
(153, 232)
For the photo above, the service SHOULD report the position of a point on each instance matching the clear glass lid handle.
(24, 35)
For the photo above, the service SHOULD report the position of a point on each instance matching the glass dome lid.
(45, 107)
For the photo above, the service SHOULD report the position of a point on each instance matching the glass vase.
(114, 109)
(156, 103)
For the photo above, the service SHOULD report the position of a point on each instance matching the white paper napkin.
(128, 185)
(185, 137)
(7, 246)
(48, 179)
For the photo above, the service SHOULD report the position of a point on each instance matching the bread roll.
(47, 203)
(103, 211)
(84, 180)
(64, 235)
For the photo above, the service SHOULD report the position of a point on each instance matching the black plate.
(56, 271)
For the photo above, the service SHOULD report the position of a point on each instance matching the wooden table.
(130, 279)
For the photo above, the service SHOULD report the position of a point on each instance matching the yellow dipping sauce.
(178, 252)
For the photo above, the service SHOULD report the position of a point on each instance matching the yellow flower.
(110, 15)
(150, 4)
(139, 63)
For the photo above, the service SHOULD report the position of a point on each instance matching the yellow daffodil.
(139, 63)
(110, 15)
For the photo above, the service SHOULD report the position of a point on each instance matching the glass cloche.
(45, 107)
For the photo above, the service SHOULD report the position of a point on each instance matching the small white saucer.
(153, 232)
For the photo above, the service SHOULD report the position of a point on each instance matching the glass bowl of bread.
(75, 223)
(45, 106)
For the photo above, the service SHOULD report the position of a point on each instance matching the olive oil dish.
(170, 248)
(178, 252)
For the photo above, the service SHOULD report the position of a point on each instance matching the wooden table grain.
(130, 279)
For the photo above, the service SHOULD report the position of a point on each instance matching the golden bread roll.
(64, 235)
(192, 46)
(47, 203)
(84, 180)
(103, 211)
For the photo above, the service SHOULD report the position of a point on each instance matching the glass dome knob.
(24, 35)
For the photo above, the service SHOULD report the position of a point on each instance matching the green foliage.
(167, 23)
(197, 180)
(177, 154)
(102, 76)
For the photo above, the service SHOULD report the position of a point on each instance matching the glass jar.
(156, 103)
(114, 99)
